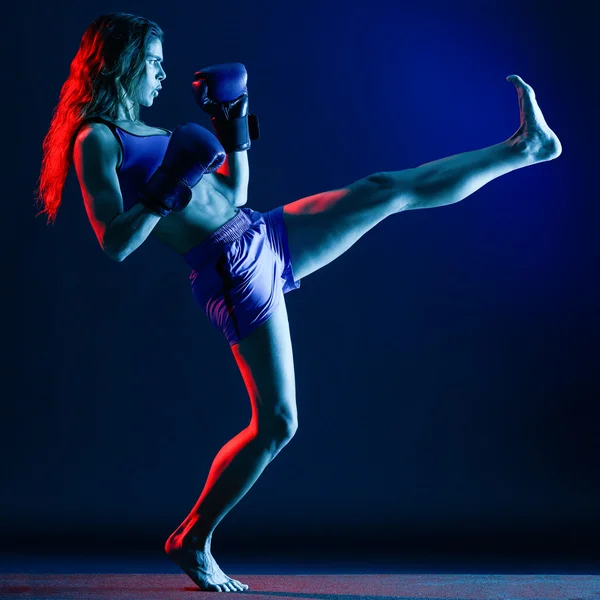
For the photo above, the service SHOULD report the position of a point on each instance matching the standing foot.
(202, 569)
(534, 138)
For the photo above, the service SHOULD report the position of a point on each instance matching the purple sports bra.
(142, 154)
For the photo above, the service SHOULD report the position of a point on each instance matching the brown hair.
(107, 67)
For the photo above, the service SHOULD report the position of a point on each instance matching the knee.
(278, 430)
(393, 188)
(283, 428)
(379, 178)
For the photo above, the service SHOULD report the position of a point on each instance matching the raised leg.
(322, 227)
(266, 363)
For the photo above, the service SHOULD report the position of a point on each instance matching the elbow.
(109, 248)
(239, 197)
(113, 254)
(110, 245)
(115, 257)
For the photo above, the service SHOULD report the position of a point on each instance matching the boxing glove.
(192, 151)
(220, 91)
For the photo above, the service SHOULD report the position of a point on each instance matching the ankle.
(188, 538)
(196, 540)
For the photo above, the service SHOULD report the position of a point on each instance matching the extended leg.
(322, 227)
(452, 179)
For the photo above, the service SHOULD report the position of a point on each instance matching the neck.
(126, 113)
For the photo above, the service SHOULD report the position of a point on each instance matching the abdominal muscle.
(207, 211)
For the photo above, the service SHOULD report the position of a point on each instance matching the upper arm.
(96, 155)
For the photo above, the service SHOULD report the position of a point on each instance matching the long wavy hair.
(105, 71)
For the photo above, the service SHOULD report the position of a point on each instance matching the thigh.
(322, 227)
(266, 364)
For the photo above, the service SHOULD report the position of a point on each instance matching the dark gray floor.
(146, 577)
(91, 586)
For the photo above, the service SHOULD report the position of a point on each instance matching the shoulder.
(95, 131)
(97, 140)
(95, 134)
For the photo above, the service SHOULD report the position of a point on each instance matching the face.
(154, 74)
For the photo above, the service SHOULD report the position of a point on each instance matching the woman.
(242, 261)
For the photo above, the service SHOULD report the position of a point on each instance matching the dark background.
(446, 365)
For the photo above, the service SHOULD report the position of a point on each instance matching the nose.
(162, 75)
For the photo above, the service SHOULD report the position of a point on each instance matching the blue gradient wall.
(446, 365)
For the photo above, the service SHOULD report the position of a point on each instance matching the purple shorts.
(240, 273)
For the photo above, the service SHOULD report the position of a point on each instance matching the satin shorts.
(240, 273)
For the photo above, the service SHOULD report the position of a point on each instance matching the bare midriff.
(207, 211)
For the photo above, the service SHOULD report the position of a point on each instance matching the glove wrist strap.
(235, 134)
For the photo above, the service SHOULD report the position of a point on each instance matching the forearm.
(238, 172)
(128, 231)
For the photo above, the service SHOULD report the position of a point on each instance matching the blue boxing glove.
(192, 151)
(220, 91)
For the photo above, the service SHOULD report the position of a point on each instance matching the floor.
(146, 577)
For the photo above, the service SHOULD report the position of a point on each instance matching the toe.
(237, 585)
(519, 83)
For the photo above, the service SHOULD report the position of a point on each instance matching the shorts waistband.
(228, 232)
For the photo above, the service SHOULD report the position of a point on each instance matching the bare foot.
(203, 570)
(533, 137)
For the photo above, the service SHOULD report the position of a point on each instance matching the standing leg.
(265, 360)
